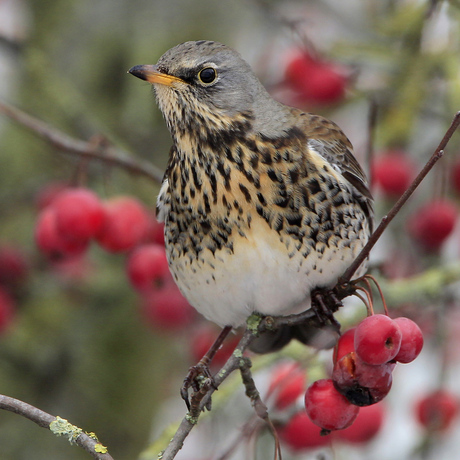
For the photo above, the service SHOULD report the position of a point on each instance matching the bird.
(262, 203)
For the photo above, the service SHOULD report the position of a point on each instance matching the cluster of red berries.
(314, 80)
(71, 217)
(363, 363)
(432, 223)
(348, 403)
(287, 386)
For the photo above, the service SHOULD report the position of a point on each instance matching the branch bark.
(101, 150)
(57, 425)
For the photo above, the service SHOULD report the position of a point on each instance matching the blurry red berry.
(327, 408)
(167, 309)
(7, 307)
(411, 341)
(125, 224)
(79, 213)
(48, 194)
(288, 381)
(393, 172)
(13, 266)
(148, 268)
(297, 69)
(437, 410)
(377, 339)
(361, 383)
(366, 426)
(433, 223)
(51, 242)
(202, 340)
(155, 232)
(301, 433)
(345, 344)
(315, 81)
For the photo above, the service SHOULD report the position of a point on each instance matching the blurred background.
(80, 334)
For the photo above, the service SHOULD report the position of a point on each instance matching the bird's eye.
(207, 75)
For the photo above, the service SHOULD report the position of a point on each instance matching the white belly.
(259, 276)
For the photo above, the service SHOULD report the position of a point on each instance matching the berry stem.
(370, 277)
(439, 152)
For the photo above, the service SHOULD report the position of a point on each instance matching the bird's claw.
(200, 380)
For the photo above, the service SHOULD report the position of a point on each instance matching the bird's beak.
(151, 74)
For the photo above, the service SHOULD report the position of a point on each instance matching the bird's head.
(203, 82)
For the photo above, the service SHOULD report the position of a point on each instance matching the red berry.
(315, 81)
(393, 172)
(345, 344)
(297, 69)
(203, 338)
(13, 266)
(288, 381)
(156, 231)
(125, 224)
(51, 242)
(366, 426)
(167, 309)
(377, 339)
(433, 223)
(301, 433)
(148, 268)
(411, 342)
(79, 213)
(437, 410)
(361, 383)
(327, 408)
(7, 308)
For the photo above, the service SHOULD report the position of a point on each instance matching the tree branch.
(100, 150)
(439, 152)
(58, 426)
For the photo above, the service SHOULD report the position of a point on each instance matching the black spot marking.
(246, 193)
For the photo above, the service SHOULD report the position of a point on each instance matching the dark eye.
(207, 75)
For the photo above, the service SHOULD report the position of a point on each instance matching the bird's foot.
(200, 380)
(325, 303)
(199, 377)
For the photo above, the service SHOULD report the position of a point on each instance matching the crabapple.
(327, 408)
(361, 383)
(79, 213)
(411, 341)
(437, 410)
(432, 224)
(124, 226)
(148, 268)
(393, 172)
(377, 339)
(51, 242)
(167, 309)
(301, 433)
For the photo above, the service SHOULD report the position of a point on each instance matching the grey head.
(209, 80)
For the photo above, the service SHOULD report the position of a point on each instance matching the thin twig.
(346, 277)
(101, 150)
(45, 420)
(189, 422)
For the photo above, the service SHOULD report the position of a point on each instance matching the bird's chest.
(235, 245)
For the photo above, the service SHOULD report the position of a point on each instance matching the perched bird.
(262, 203)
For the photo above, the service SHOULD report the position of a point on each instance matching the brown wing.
(327, 139)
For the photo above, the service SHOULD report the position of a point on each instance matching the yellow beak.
(151, 74)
